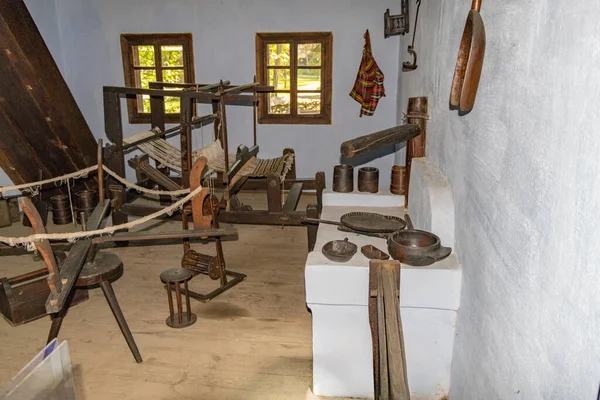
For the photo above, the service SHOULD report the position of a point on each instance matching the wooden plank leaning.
(75, 259)
(389, 357)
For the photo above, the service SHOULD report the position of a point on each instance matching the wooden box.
(23, 297)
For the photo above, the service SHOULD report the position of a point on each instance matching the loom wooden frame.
(277, 214)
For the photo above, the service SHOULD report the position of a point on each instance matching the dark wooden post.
(312, 211)
(417, 113)
(113, 127)
(320, 186)
(274, 197)
(186, 140)
(223, 131)
(157, 120)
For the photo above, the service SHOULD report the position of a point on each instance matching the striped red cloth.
(368, 87)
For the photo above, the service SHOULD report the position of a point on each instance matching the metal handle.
(409, 224)
(320, 221)
(476, 5)
(407, 65)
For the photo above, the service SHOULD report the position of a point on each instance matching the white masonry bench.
(337, 295)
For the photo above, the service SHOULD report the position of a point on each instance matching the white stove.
(337, 294)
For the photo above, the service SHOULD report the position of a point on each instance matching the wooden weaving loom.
(245, 172)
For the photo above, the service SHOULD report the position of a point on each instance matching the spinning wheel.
(81, 268)
(205, 208)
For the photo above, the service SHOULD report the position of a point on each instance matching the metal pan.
(365, 222)
(372, 222)
(415, 247)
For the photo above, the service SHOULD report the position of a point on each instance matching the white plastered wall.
(524, 168)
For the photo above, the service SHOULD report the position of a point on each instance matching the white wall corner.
(430, 201)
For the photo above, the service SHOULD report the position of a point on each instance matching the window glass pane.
(309, 103)
(309, 54)
(279, 78)
(143, 104)
(172, 56)
(309, 79)
(143, 56)
(142, 78)
(278, 54)
(172, 105)
(173, 75)
(279, 103)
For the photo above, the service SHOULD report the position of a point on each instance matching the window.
(298, 65)
(165, 57)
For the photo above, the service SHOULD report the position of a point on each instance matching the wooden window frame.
(129, 40)
(295, 38)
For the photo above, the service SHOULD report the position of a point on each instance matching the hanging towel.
(368, 87)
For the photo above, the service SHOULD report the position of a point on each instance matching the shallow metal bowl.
(415, 242)
(416, 248)
(339, 250)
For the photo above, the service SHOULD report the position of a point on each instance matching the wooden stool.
(100, 271)
(175, 276)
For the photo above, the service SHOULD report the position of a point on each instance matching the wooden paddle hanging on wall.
(469, 62)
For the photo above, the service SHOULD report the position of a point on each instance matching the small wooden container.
(343, 178)
(115, 193)
(398, 185)
(368, 179)
(85, 201)
(61, 209)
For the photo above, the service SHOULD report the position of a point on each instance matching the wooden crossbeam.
(202, 86)
(156, 236)
(240, 88)
(200, 97)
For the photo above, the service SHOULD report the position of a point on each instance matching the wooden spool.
(199, 263)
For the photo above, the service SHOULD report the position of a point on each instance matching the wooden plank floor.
(253, 342)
